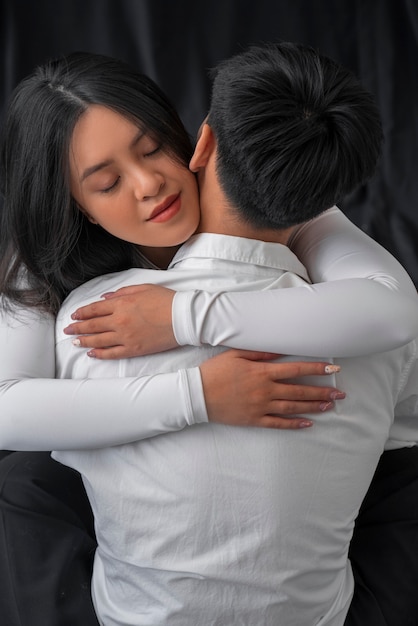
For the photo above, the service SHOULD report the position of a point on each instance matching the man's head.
(295, 132)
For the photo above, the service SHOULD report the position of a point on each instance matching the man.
(221, 525)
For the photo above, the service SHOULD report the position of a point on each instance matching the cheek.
(115, 223)
(108, 217)
(93, 216)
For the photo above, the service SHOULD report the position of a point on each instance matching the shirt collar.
(240, 250)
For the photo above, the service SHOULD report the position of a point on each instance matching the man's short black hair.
(295, 131)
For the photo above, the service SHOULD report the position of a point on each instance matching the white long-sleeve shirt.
(40, 413)
(340, 314)
(224, 525)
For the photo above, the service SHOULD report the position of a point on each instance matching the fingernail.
(74, 316)
(337, 395)
(76, 343)
(324, 406)
(305, 424)
(91, 353)
(332, 369)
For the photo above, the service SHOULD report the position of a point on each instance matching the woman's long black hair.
(47, 246)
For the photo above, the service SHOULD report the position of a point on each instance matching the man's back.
(226, 525)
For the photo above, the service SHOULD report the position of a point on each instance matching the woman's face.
(124, 181)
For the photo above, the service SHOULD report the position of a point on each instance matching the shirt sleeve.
(403, 432)
(38, 412)
(362, 301)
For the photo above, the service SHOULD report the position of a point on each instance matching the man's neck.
(219, 216)
(227, 222)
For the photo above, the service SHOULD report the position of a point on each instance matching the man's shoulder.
(93, 289)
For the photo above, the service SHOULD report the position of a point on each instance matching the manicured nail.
(332, 369)
(337, 395)
(91, 353)
(324, 406)
(75, 316)
(305, 424)
(76, 343)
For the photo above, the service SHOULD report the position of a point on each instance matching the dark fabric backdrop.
(177, 41)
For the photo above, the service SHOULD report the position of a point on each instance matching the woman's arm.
(362, 302)
(38, 412)
(41, 413)
(332, 248)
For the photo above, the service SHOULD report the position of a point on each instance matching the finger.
(282, 423)
(294, 369)
(103, 340)
(305, 393)
(96, 309)
(108, 354)
(89, 327)
(251, 355)
(292, 408)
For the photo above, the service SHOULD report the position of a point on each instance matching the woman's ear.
(204, 148)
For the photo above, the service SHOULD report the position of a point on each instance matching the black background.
(177, 41)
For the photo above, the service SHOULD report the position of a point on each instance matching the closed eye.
(154, 151)
(111, 187)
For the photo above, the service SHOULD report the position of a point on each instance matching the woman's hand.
(243, 389)
(132, 321)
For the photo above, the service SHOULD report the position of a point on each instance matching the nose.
(147, 183)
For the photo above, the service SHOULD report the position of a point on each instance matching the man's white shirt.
(228, 525)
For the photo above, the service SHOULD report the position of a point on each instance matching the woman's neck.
(161, 257)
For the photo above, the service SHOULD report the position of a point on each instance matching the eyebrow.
(99, 166)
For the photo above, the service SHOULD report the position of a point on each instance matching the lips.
(166, 210)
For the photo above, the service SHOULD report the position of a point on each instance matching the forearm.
(281, 320)
(362, 301)
(38, 412)
(49, 414)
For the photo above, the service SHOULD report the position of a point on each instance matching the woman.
(50, 245)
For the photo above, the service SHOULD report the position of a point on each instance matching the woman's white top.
(365, 302)
(341, 314)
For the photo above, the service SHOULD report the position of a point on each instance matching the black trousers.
(384, 548)
(47, 545)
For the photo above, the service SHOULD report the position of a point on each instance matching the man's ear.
(204, 148)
